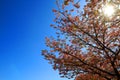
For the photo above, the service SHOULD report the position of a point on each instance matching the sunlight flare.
(108, 10)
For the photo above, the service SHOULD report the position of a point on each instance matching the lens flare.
(108, 10)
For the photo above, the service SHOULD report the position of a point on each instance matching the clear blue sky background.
(23, 27)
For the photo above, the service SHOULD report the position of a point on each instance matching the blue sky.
(24, 24)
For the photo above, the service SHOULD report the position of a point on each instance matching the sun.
(108, 10)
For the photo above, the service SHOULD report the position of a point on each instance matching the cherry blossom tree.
(87, 46)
